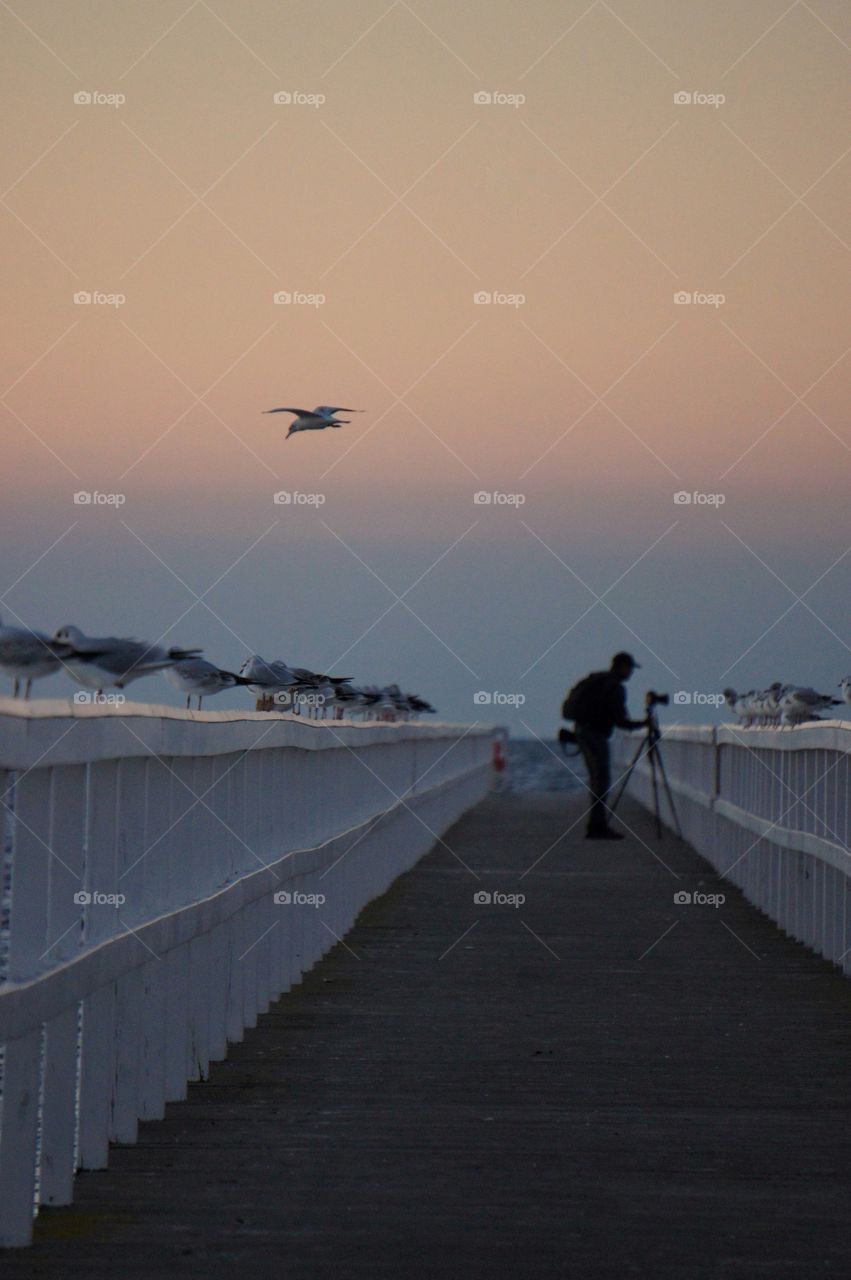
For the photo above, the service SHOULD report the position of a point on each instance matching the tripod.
(649, 746)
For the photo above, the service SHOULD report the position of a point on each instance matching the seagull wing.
(299, 413)
(127, 656)
(328, 410)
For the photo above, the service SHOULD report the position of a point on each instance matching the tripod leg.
(655, 778)
(670, 797)
(622, 788)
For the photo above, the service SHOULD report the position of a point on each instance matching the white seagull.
(742, 704)
(26, 655)
(800, 705)
(324, 415)
(97, 662)
(845, 686)
(196, 675)
(266, 678)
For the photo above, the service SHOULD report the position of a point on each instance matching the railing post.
(59, 1117)
(21, 1069)
(195, 826)
(97, 1057)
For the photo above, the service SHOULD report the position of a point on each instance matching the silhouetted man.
(597, 705)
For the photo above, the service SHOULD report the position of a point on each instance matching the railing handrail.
(165, 875)
(98, 732)
(25, 1005)
(770, 809)
(830, 735)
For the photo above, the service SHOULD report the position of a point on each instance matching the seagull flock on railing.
(783, 704)
(104, 662)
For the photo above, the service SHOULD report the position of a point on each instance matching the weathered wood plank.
(596, 1083)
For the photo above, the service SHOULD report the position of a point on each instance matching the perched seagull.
(324, 415)
(316, 689)
(99, 661)
(25, 656)
(742, 704)
(773, 695)
(370, 699)
(845, 686)
(800, 705)
(266, 678)
(196, 675)
(730, 698)
(419, 706)
(346, 697)
(271, 679)
(765, 705)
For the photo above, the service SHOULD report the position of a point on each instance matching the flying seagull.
(324, 415)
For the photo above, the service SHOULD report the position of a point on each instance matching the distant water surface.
(535, 766)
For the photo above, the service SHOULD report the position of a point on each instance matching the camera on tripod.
(649, 749)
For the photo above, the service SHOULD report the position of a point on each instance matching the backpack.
(580, 699)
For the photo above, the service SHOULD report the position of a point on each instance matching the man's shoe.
(605, 834)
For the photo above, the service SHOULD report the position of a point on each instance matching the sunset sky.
(581, 197)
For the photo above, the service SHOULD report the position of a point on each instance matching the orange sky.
(398, 199)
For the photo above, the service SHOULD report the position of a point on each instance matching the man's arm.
(621, 719)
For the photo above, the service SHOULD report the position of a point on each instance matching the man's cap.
(621, 659)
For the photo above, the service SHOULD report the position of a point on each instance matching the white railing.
(770, 809)
(167, 874)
